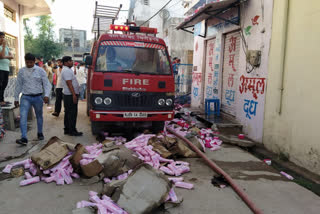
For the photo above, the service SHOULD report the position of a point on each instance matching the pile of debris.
(124, 167)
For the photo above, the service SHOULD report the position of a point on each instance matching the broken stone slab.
(144, 190)
(117, 160)
(234, 140)
(85, 210)
(90, 181)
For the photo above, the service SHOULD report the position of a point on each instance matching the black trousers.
(4, 76)
(59, 97)
(71, 113)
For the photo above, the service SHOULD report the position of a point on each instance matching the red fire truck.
(130, 80)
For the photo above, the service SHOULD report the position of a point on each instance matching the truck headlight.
(107, 101)
(169, 102)
(98, 100)
(161, 102)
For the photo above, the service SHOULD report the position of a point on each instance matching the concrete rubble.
(123, 167)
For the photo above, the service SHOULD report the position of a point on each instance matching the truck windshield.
(133, 60)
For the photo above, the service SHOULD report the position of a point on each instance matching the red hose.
(217, 169)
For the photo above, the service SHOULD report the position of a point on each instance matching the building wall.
(178, 42)
(12, 28)
(143, 12)
(256, 21)
(294, 132)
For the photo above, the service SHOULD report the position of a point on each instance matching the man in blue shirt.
(32, 82)
(5, 57)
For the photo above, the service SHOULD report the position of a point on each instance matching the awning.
(210, 10)
(33, 8)
(103, 17)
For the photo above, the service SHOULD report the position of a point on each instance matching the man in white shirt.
(59, 95)
(32, 82)
(82, 79)
(70, 92)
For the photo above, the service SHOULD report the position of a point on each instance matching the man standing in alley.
(59, 95)
(32, 82)
(70, 97)
(5, 57)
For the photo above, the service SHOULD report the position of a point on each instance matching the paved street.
(271, 192)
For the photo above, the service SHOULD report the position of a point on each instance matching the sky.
(79, 14)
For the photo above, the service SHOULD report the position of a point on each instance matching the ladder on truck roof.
(103, 17)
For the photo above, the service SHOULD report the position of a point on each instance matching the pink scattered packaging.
(166, 170)
(49, 179)
(215, 148)
(79, 205)
(106, 180)
(173, 196)
(101, 209)
(182, 163)
(184, 169)
(112, 207)
(7, 169)
(33, 170)
(184, 185)
(87, 204)
(75, 175)
(286, 175)
(30, 181)
(122, 176)
(174, 180)
(27, 175)
(161, 159)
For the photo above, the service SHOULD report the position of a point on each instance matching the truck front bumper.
(122, 116)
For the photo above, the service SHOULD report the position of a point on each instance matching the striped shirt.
(32, 81)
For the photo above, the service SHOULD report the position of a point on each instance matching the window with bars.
(9, 13)
(146, 2)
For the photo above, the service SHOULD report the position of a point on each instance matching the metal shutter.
(209, 72)
(230, 72)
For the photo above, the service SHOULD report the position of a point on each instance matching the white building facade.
(12, 13)
(220, 66)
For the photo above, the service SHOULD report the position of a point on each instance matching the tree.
(44, 44)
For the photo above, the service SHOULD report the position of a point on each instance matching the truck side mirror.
(88, 60)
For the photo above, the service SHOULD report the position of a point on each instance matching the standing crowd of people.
(37, 83)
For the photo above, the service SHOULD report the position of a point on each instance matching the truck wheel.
(95, 128)
(157, 126)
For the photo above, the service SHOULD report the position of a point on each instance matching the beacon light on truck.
(133, 29)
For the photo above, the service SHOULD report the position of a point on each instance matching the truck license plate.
(135, 115)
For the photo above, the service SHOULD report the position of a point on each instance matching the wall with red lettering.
(197, 77)
(247, 94)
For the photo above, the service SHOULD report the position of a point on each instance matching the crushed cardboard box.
(50, 155)
(159, 147)
(77, 156)
(92, 169)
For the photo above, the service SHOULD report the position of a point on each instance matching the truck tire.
(95, 128)
(157, 126)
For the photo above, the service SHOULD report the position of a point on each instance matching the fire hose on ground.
(217, 169)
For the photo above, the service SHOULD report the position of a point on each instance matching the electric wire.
(156, 13)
